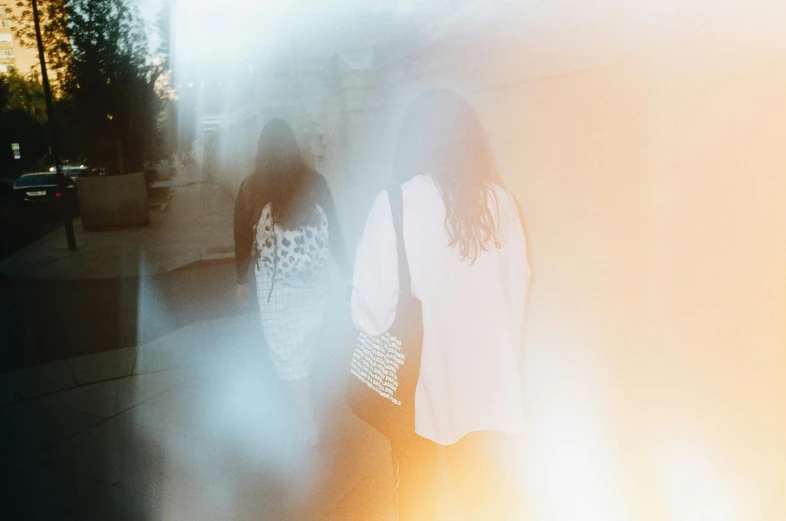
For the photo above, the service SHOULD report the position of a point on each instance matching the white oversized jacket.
(472, 313)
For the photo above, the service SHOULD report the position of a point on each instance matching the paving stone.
(35, 381)
(107, 399)
(28, 428)
(107, 452)
(103, 366)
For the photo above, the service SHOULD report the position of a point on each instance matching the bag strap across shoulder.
(397, 209)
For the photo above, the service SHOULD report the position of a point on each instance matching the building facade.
(12, 55)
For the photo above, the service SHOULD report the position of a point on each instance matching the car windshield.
(36, 180)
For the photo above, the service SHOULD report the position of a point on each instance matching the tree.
(53, 15)
(22, 120)
(162, 143)
(112, 81)
(4, 92)
(111, 90)
(25, 94)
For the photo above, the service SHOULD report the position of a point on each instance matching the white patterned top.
(297, 256)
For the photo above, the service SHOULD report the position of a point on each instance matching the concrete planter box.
(110, 201)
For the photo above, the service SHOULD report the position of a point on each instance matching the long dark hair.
(282, 178)
(441, 134)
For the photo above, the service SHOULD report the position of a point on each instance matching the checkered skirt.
(291, 317)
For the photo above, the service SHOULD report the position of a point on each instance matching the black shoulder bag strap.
(397, 209)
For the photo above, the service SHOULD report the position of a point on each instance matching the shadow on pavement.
(46, 320)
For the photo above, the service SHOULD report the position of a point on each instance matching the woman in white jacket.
(468, 262)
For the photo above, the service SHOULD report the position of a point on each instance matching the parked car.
(41, 193)
(77, 171)
(74, 171)
(14, 223)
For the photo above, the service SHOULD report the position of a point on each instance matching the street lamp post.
(50, 112)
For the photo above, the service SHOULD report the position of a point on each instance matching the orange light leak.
(645, 143)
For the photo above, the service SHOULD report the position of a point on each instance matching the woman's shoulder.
(317, 182)
(419, 182)
(246, 190)
(508, 207)
(503, 196)
(316, 178)
(419, 185)
(248, 182)
(243, 188)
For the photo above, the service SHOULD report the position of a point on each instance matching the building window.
(5, 38)
(6, 53)
(5, 23)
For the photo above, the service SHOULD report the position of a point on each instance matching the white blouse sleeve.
(515, 266)
(375, 279)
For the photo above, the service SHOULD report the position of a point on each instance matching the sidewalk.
(158, 401)
(123, 287)
(192, 426)
(196, 225)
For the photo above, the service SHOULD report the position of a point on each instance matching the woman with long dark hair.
(285, 220)
(468, 266)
